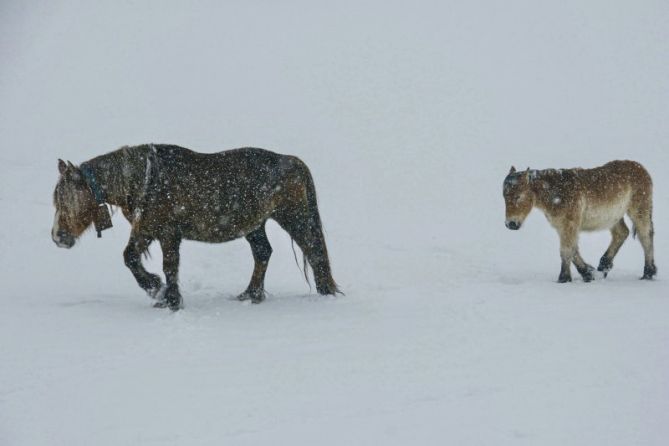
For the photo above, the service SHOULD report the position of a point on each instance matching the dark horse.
(169, 193)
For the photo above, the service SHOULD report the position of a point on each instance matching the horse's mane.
(550, 176)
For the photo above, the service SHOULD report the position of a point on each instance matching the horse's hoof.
(171, 298)
(604, 269)
(605, 265)
(256, 296)
(648, 272)
(564, 279)
(174, 302)
(172, 306)
(587, 273)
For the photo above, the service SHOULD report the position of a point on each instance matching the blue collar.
(89, 177)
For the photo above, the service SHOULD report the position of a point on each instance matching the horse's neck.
(119, 173)
(546, 184)
(541, 184)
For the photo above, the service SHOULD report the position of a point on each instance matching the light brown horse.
(169, 193)
(576, 200)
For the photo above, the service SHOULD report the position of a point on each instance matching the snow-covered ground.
(453, 329)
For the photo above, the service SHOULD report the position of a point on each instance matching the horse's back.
(181, 157)
(627, 171)
(614, 177)
(236, 167)
(221, 196)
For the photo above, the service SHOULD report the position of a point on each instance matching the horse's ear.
(513, 170)
(62, 167)
(75, 173)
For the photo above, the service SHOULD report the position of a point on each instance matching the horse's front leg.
(170, 247)
(132, 255)
(568, 250)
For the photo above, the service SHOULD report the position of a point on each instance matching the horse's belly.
(604, 216)
(214, 228)
(211, 237)
(209, 234)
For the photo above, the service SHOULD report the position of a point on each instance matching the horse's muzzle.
(512, 225)
(63, 240)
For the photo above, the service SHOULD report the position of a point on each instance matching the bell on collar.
(102, 219)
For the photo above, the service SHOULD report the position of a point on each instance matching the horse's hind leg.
(643, 224)
(262, 251)
(132, 255)
(619, 233)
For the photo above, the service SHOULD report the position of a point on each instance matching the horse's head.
(518, 197)
(75, 205)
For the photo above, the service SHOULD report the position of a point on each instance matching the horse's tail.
(317, 252)
(299, 216)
